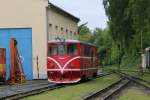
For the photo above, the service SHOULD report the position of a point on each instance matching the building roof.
(65, 13)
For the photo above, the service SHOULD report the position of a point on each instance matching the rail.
(107, 92)
(22, 91)
(114, 89)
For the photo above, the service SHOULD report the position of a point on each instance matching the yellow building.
(61, 23)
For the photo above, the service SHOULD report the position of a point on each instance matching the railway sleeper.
(108, 91)
(133, 78)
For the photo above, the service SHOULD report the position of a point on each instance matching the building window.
(75, 33)
(50, 31)
(62, 32)
(61, 28)
(56, 31)
(50, 25)
(56, 27)
(66, 30)
(50, 28)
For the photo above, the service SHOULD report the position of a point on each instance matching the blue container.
(24, 39)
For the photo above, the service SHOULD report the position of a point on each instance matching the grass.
(146, 76)
(76, 92)
(134, 71)
(133, 94)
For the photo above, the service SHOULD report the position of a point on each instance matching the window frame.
(50, 46)
(76, 48)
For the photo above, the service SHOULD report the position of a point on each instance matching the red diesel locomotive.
(71, 61)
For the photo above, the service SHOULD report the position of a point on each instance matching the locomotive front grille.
(65, 77)
(51, 75)
(60, 77)
(71, 77)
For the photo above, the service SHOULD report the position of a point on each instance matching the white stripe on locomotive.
(63, 68)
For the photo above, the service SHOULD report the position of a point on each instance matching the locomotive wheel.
(94, 75)
(84, 78)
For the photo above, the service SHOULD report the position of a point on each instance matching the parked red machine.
(16, 72)
(71, 61)
(2, 64)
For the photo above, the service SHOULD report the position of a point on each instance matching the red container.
(2, 64)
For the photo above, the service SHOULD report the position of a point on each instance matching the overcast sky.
(90, 11)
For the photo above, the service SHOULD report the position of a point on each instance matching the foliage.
(128, 31)
(120, 27)
(139, 11)
(129, 24)
(128, 20)
(114, 53)
(84, 34)
(107, 49)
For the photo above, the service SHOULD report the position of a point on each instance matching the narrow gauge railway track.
(130, 71)
(21, 91)
(105, 74)
(130, 76)
(14, 93)
(109, 91)
(134, 79)
(115, 88)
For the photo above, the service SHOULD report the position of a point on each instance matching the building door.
(24, 39)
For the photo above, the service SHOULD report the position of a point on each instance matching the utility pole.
(37, 63)
(142, 54)
(119, 55)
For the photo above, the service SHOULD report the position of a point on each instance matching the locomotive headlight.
(52, 65)
(71, 65)
(50, 72)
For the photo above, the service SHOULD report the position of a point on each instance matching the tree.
(139, 11)
(84, 34)
(119, 24)
(129, 24)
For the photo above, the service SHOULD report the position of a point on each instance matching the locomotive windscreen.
(53, 50)
(63, 49)
(72, 49)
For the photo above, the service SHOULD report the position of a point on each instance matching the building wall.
(28, 14)
(60, 26)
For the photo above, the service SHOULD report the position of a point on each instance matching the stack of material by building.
(17, 72)
(2, 64)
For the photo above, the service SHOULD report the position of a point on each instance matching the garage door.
(24, 38)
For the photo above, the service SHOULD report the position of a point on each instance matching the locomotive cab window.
(72, 49)
(53, 50)
(62, 49)
(87, 50)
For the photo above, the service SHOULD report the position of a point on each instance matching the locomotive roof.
(71, 41)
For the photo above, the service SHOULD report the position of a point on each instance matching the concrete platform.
(10, 90)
